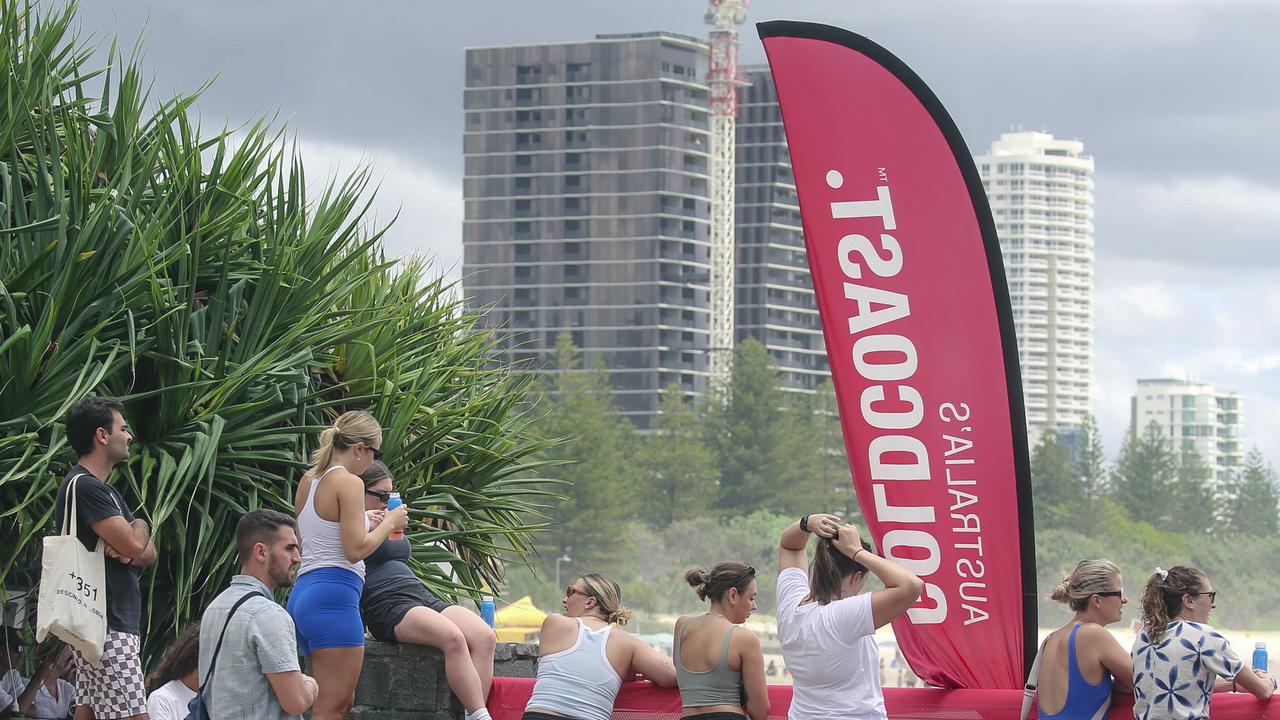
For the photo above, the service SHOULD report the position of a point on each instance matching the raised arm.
(791, 548)
(357, 543)
(901, 588)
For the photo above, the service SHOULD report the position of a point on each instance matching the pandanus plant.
(193, 275)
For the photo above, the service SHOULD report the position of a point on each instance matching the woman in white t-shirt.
(826, 628)
(175, 679)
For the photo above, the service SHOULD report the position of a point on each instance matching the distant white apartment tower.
(1041, 194)
(1195, 416)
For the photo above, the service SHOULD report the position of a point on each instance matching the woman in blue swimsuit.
(1081, 662)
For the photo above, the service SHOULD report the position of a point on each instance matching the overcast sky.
(1178, 102)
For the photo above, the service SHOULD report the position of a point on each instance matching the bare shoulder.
(745, 639)
(558, 620)
(1095, 633)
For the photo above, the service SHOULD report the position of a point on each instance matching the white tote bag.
(72, 604)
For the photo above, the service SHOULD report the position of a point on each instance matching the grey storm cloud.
(1179, 102)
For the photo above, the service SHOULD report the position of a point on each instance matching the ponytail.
(608, 598)
(1089, 577)
(830, 568)
(351, 427)
(1162, 596)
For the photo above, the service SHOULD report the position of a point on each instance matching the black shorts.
(383, 609)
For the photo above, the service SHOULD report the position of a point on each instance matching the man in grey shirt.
(257, 676)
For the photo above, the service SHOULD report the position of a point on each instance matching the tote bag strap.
(1033, 681)
(222, 636)
(69, 508)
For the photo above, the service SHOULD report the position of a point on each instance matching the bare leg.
(84, 712)
(480, 643)
(336, 670)
(424, 626)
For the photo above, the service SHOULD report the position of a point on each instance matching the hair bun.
(619, 616)
(697, 579)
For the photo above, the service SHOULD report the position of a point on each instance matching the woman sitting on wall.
(397, 607)
(720, 665)
(584, 655)
(1177, 655)
(827, 627)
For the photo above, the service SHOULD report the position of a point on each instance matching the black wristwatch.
(804, 524)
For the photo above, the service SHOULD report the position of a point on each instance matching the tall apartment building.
(587, 207)
(1041, 194)
(1195, 416)
(775, 300)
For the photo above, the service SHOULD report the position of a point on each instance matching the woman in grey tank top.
(720, 666)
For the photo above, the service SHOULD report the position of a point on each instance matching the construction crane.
(723, 79)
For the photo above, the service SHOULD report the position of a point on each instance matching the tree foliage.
(235, 313)
(595, 462)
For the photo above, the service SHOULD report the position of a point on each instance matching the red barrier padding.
(646, 701)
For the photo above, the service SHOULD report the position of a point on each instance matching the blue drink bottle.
(1260, 656)
(394, 502)
(487, 609)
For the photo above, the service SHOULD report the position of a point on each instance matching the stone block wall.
(407, 682)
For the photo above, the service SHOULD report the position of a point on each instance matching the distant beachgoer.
(584, 654)
(1081, 662)
(1177, 655)
(826, 627)
(720, 665)
(175, 679)
(397, 607)
(325, 602)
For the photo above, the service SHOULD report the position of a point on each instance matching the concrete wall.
(407, 682)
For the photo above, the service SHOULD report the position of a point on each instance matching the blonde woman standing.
(325, 602)
(584, 654)
(719, 665)
(1081, 662)
(1178, 656)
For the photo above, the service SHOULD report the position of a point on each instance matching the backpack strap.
(222, 636)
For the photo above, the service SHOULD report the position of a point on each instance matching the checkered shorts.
(114, 690)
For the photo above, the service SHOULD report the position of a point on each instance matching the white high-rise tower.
(1041, 193)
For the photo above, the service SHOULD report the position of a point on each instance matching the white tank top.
(322, 539)
(578, 682)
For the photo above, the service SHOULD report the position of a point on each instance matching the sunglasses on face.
(383, 497)
(1111, 593)
(377, 454)
(570, 591)
(1213, 595)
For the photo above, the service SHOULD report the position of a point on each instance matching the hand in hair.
(848, 540)
(823, 524)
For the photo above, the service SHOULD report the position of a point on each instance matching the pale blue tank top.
(579, 682)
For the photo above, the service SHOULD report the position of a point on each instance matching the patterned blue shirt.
(1173, 677)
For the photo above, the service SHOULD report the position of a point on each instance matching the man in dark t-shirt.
(100, 437)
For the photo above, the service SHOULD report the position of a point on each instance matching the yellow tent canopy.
(519, 622)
